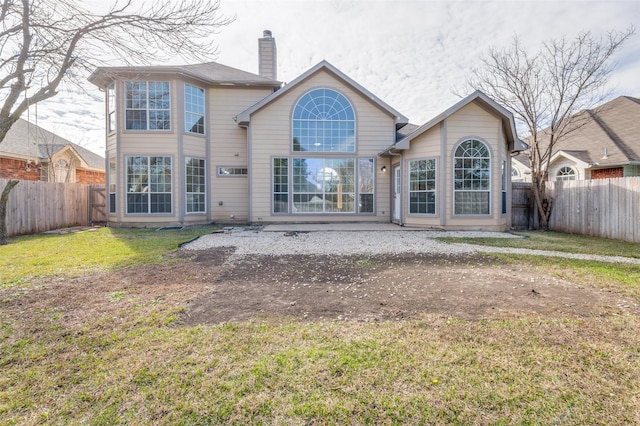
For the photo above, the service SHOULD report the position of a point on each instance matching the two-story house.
(206, 142)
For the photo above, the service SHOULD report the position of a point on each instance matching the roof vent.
(606, 153)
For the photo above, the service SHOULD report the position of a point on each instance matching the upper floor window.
(566, 173)
(147, 105)
(324, 121)
(193, 109)
(472, 178)
(111, 106)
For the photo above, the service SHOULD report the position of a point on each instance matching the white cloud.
(411, 54)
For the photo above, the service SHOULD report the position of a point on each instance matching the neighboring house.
(606, 146)
(29, 152)
(206, 142)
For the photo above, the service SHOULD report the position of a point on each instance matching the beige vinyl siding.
(229, 148)
(194, 146)
(472, 121)
(271, 137)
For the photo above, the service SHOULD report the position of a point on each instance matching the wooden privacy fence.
(520, 205)
(608, 208)
(36, 206)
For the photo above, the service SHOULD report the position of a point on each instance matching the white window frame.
(426, 191)
(196, 189)
(112, 185)
(145, 187)
(192, 109)
(111, 108)
(233, 171)
(145, 107)
(326, 123)
(488, 191)
(562, 175)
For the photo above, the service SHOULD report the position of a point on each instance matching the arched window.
(566, 173)
(323, 121)
(61, 170)
(472, 178)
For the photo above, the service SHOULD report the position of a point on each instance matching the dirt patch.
(217, 288)
(391, 287)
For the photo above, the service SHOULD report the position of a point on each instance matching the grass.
(555, 241)
(130, 364)
(74, 254)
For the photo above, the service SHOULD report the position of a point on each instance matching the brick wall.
(86, 176)
(17, 169)
(615, 172)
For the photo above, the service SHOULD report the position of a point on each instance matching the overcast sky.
(411, 54)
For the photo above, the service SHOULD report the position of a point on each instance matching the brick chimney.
(267, 56)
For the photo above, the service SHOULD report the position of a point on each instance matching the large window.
(196, 188)
(323, 121)
(193, 109)
(323, 185)
(472, 178)
(148, 184)
(422, 186)
(147, 105)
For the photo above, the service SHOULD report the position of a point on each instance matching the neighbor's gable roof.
(613, 126)
(26, 140)
(210, 73)
(483, 100)
(245, 116)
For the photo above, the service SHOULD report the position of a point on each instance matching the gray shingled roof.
(27, 140)
(615, 126)
(211, 73)
(404, 131)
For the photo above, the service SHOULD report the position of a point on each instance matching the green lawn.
(567, 243)
(76, 253)
(130, 364)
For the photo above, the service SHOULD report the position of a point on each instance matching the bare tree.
(546, 91)
(44, 43)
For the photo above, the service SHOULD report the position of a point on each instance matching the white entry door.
(397, 187)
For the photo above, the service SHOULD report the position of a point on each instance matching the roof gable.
(244, 117)
(486, 103)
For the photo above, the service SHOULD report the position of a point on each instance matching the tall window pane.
(194, 109)
(323, 121)
(196, 188)
(422, 186)
(147, 105)
(112, 185)
(366, 183)
(149, 185)
(280, 185)
(111, 106)
(472, 178)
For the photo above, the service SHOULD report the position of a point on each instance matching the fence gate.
(520, 205)
(97, 205)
